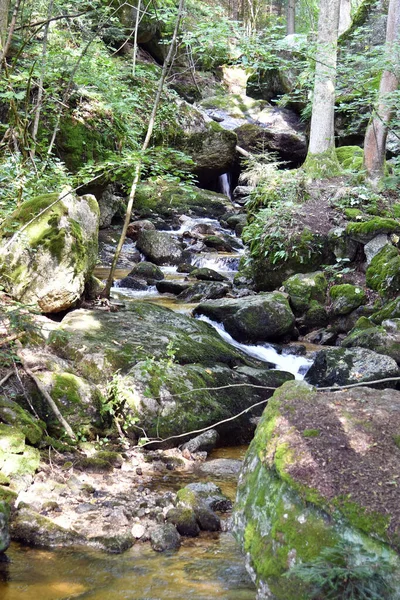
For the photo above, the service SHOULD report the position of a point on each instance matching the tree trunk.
(4, 9)
(321, 157)
(345, 16)
(291, 14)
(377, 130)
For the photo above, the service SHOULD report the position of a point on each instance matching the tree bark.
(138, 166)
(345, 16)
(377, 130)
(4, 9)
(291, 17)
(322, 139)
(8, 37)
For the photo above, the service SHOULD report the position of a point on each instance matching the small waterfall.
(297, 365)
(225, 185)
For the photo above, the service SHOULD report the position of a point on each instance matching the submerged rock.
(49, 265)
(165, 537)
(298, 494)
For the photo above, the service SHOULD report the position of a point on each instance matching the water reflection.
(203, 569)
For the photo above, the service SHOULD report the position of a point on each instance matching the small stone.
(138, 531)
(165, 537)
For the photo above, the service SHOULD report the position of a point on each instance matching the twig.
(5, 378)
(11, 338)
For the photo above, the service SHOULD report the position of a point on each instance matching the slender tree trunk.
(138, 166)
(4, 10)
(321, 157)
(4, 48)
(291, 17)
(135, 44)
(377, 130)
(39, 101)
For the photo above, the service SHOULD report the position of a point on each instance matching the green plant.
(119, 402)
(157, 370)
(346, 572)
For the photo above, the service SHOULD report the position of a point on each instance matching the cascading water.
(297, 365)
(225, 185)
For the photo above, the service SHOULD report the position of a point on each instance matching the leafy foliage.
(346, 572)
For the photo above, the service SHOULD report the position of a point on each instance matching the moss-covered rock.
(50, 262)
(169, 201)
(160, 247)
(33, 529)
(12, 440)
(351, 158)
(13, 414)
(297, 494)
(365, 231)
(383, 272)
(383, 339)
(346, 298)
(302, 288)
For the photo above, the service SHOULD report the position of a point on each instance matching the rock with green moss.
(351, 158)
(365, 231)
(164, 360)
(265, 317)
(33, 529)
(49, 262)
(346, 298)
(169, 201)
(383, 272)
(344, 366)
(304, 287)
(297, 493)
(12, 439)
(79, 401)
(390, 310)
(383, 339)
(4, 527)
(12, 413)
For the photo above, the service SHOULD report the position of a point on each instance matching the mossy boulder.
(343, 366)
(78, 401)
(346, 298)
(13, 414)
(390, 310)
(365, 231)
(383, 272)
(49, 263)
(297, 493)
(33, 529)
(351, 158)
(169, 201)
(147, 271)
(165, 359)
(265, 317)
(383, 339)
(159, 247)
(304, 287)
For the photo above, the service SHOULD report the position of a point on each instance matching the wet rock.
(221, 243)
(205, 274)
(209, 494)
(322, 337)
(372, 248)
(165, 537)
(265, 317)
(132, 283)
(221, 467)
(4, 527)
(383, 339)
(205, 291)
(185, 268)
(207, 519)
(205, 442)
(305, 287)
(147, 271)
(241, 193)
(184, 520)
(342, 366)
(159, 247)
(170, 286)
(136, 227)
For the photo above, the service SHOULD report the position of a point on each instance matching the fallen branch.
(45, 395)
(242, 151)
(11, 338)
(5, 378)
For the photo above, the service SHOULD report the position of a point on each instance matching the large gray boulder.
(159, 247)
(261, 318)
(343, 366)
(48, 263)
